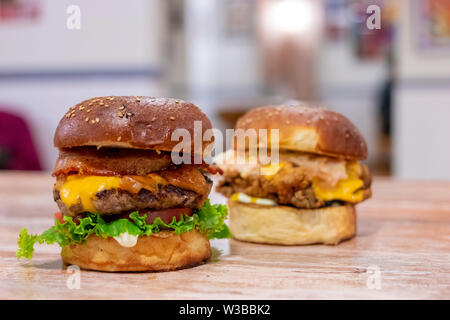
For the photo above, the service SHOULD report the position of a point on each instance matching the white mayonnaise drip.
(242, 197)
(126, 240)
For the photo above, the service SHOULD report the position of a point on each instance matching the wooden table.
(402, 250)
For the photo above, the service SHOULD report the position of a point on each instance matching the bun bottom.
(291, 226)
(162, 251)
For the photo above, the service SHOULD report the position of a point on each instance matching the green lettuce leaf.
(26, 241)
(209, 220)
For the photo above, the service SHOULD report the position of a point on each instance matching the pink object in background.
(23, 10)
(17, 150)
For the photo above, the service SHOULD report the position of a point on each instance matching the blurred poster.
(19, 10)
(239, 18)
(433, 18)
(344, 17)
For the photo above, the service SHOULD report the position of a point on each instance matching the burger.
(308, 195)
(125, 204)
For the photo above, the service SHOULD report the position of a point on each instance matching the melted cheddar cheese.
(346, 189)
(271, 169)
(84, 188)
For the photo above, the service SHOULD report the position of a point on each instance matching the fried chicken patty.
(114, 201)
(290, 186)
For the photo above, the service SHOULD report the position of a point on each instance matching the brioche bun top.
(307, 129)
(129, 122)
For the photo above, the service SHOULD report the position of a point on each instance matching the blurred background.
(228, 56)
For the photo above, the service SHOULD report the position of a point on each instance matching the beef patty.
(115, 201)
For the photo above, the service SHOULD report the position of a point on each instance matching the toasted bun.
(162, 251)
(130, 122)
(290, 226)
(307, 129)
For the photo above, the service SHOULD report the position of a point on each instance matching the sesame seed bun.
(130, 122)
(308, 129)
(162, 251)
(286, 225)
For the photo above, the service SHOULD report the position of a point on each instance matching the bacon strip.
(110, 162)
(214, 169)
(116, 162)
(187, 177)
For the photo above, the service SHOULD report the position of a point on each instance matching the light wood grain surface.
(403, 237)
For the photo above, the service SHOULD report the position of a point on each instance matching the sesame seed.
(102, 103)
(154, 118)
(92, 121)
(88, 110)
(119, 138)
(73, 115)
(122, 107)
(172, 118)
(87, 119)
(129, 114)
(81, 108)
(138, 99)
(106, 105)
(90, 103)
(157, 151)
(120, 114)
(97, 120)
(68, 115)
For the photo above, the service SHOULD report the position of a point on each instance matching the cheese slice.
(84, 188)
(346, 189)
(271, 169)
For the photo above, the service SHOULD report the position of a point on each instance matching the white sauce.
(242, 197)
(126, 240)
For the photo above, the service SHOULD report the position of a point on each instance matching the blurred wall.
(215, 66)
(114, 34)
(421, 126)
(350, 86)
(45, 67)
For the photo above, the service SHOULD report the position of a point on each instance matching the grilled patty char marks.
(115, 201)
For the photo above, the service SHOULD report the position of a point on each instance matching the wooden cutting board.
(402, 250)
